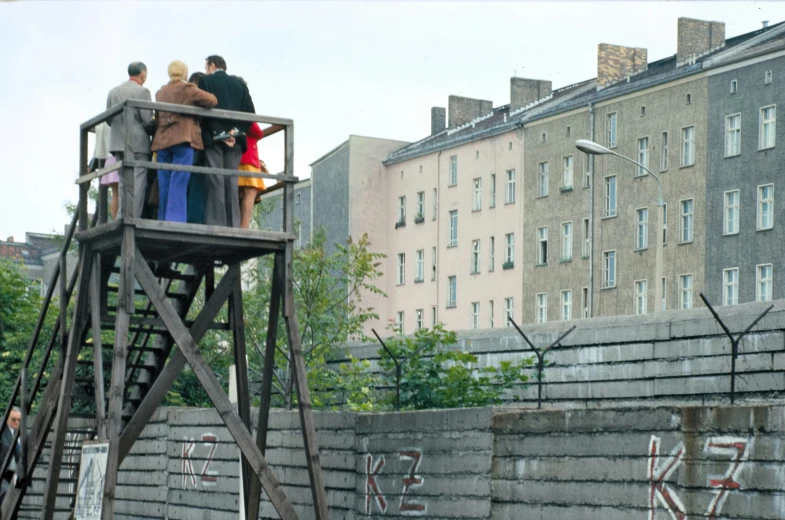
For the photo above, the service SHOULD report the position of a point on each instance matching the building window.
(493, 191)
(508, 311)
(542, 180)
(420, 206)
(610, 127)
(586, 249)
(664, 289)
(730, 224)
(435, 204)
(297, 199)
(475, 324)
(664, 223)
(490, 314)
(509, 251)
(452, 288)
(401, 211)
(610, 196)
(569, 131)
(477, 195)
(477, 154)
(768, 127)
(542, 307)
(587, 171)
(734, 86)
(664, 152)
(433, 316)
(608, 269)
(509, 189)
(688, 146)
(542, 250)
(492, 254)
(688, 98)
(643, 111)
(765, 206)
(566, 305)
(453, 180)
(643, 155)
(767, 77)
(687, 220)
(509, 145)
(401, 269)
(475, 256)
(732, 135)
(642, 228)
(763, 283)
(543, 137)
(418, 315)
(730, 286)
(566, 241)
(585, 302)
(640, 297)
(433, 264)
(685, 294)
(399, 322)
(566, 179)
(419, 274)
(453, 236)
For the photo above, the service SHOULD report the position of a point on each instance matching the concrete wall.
(744, 172)
(492, 463)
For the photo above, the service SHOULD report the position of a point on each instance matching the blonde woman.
(176, 139)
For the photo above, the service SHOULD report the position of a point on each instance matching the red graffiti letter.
(657, 475)
(209, 477)
(735, 448)
(411, 480)
(188, 465)
(370, 484)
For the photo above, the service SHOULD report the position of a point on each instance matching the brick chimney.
(615, 62)
(463, 109)
(438, 119)
(697, 37)
(10, 239)
(524, 91)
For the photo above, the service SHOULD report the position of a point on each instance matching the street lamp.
(592, 148)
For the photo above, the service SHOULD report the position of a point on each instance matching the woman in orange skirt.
(250, 187)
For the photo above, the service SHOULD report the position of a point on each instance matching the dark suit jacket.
(232, 94)
(6, 440)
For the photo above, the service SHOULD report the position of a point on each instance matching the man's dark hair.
(136, 68)
(216, 60)
(195, 77)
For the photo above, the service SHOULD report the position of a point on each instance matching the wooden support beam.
(255, 493)
(98, 356)
(125, 307)
(212, 386)
(237, 320)
(155, 395)
(67, 384)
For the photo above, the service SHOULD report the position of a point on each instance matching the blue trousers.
(172, 185)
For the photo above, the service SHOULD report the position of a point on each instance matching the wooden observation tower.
(153, 338)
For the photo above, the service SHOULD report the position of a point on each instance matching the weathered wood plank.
(125, 307)
(236, 318)
(172, 369)
(209, 112)
(67, 384)
(206, 170)
(98, 365)
(213, 388)
(255, 492)
(87, 177)
(107, 114)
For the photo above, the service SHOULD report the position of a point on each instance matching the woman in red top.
(250, 186)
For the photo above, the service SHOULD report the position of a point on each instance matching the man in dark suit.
(223, 203)
(6, 442)
(142, 127)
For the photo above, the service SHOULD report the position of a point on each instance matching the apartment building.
(496, 214)
(745, 214)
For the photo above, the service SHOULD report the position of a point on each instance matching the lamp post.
(592, 148)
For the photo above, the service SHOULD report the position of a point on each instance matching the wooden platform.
(195, 244)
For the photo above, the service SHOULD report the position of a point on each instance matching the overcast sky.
(335, 68)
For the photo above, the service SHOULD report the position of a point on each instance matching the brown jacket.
(174, 129)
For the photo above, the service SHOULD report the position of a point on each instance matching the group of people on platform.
(185, 140)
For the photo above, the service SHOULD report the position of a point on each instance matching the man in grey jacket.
(7, 444)
(142, 127)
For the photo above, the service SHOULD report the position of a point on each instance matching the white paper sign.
(90, 491)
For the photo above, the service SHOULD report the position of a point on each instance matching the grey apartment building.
(496, 214)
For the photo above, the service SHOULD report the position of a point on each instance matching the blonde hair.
(178, 71)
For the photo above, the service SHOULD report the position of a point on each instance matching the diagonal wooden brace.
(239, 431)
